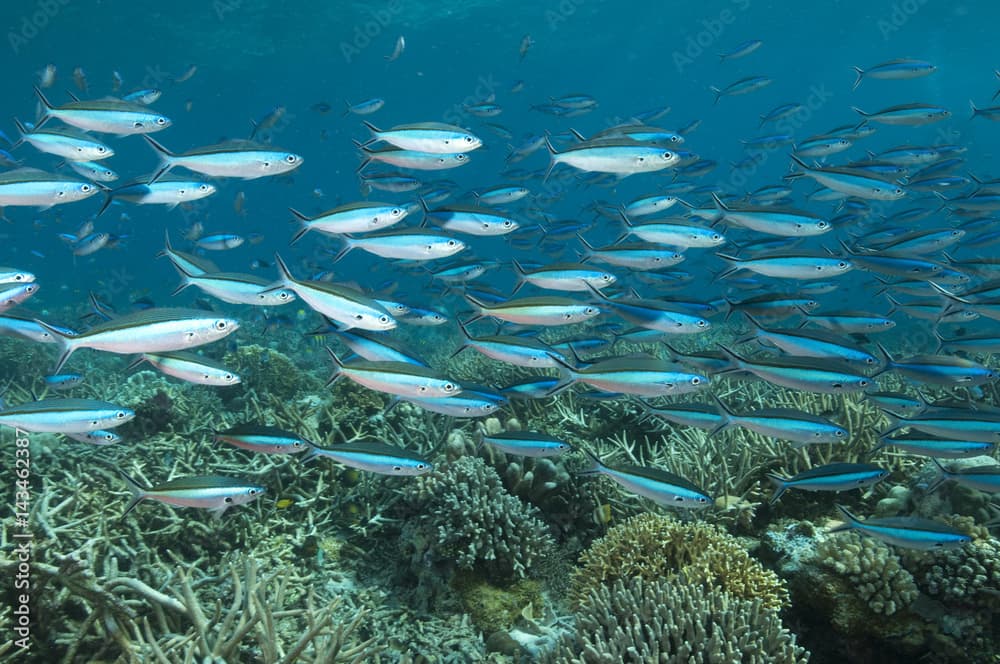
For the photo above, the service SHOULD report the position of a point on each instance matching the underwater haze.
(563, 332)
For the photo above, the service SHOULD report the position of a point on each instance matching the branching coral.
(461, 513)
(873, 570)
(646, 620)
(651, 546)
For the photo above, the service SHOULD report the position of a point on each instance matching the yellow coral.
(654, 547)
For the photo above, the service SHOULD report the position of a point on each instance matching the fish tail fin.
(860, 74)
(138, 491)
(47, 108)
(725, 413)
(851, 523)
(738, 362)
(165, 155)
(348, 246)
(780, 486)
(304, 220)
(65, 342)
(338, 364)
(859, 111)
(185, 279)
(21, 131)
(109, 198)
(347, 109)
(717, 92)
(372, 128)
(975, 111)
(595, 467)
(942, 476)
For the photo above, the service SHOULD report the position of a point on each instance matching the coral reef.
(265, 370)
(461, 515)
(670, 622)
(652, 546)
(494, 608)
(872, 569)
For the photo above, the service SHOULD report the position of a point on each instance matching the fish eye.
(840, 433)
(221, 325)
(507, 223)
(108, 173)
(668, 155)
(702, 323)
(590, 310)
(842, 264)
(121, 415)
(291, 159)
(822, 224)
(228, 376)
(397, 468)
(448, 387)
(161, 121)
(460, 157)
(101, 149)
(109, 436)
(451, 243)
(696, 381)
(716, 237)
(84, 188)
(421, 466)
(863, 383)
(674, 139)
(203, 187)
(395, 212)
(382, 319)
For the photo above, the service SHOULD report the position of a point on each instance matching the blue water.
(631, 56)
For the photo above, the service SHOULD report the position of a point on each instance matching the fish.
(562, 277)
(397, 49)
(220, 241)
(108, 116)
(801, 373)
(366, 107)
(347, 306)
(65, 415)
(904, 532)
(527, 443)
(519, 351)
(783, 423)
(471, 220)
(13, 294)
(541, 310)
(829, 477)
(235, 159)
(267, 121)
(413, 159)
(35, 188)
(426, 137)
(660, 486)
(527, 42)
(63, 381)
(93, 171)
(186, 75)
(264, 439)
(98, 437)
(898, 69)
(398, 378)
(374, 457)
(68, 143)
(741, 87)
(741, 50)
(189, 367)
(629, 375)
(910, 115)
(352, 218)
(621, 157)
(851, 182)
(984, 478)
(934, 446)
(166, 190)
(946, 370)
(212, 492)
(47, 76)
(148, 331)
(407, 245)
(144, 97)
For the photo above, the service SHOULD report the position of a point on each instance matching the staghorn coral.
(652, 546)
(873, 570)
(669, 622)
(460, 514)
(164, 406)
